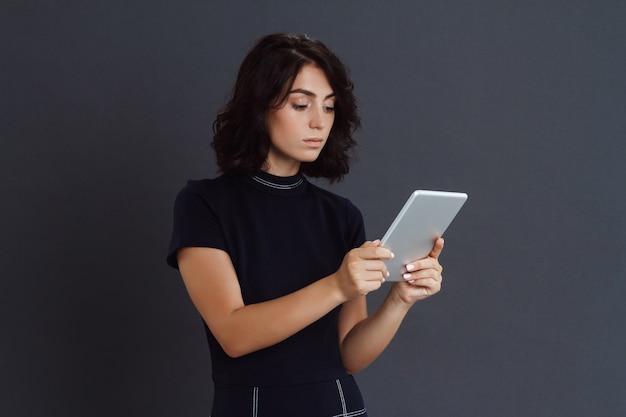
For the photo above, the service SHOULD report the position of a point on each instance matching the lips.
(314, 142)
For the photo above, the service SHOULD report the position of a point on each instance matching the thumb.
(437, 248)
(370, 244)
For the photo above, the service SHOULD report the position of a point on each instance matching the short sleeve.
(356, 226)
(195, 222)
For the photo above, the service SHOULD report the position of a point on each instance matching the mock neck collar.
(273, 184)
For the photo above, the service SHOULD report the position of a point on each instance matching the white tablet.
(425, 216)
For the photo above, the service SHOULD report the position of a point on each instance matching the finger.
(424, 264)
(426, 273)
(429, 283)
(422, 276)
(373, 286)
(375, 252)
(437, 248)
(378, 268)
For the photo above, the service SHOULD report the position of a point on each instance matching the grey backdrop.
(106, 112)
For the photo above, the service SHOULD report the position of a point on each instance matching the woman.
(277, 267)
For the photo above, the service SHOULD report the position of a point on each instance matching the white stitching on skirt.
(344, 409)
(352, 413)
(255, 401)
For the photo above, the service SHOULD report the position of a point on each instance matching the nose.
(317, 119)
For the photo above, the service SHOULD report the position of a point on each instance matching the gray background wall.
(106, 112)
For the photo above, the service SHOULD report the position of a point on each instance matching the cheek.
(273, 125)
(280, 121)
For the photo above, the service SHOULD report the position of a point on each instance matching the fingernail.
(387, 273)
(406, 276)
(393, 255)
(410, 267)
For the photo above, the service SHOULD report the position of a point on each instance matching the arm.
(212, 284)
(362, 339)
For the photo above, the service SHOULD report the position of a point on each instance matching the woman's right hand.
(363, 270)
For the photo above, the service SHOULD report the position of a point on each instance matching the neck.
(281, 170)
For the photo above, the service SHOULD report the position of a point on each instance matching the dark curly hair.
(266, 75)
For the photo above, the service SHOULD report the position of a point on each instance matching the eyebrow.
(310, 93)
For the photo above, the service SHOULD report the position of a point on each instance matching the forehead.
(312, 79)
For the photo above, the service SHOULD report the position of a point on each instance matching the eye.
(329, 109)
(299, 107)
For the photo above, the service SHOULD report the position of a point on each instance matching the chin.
(310, 156)
(308, 160)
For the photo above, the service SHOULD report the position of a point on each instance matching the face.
(299, 129)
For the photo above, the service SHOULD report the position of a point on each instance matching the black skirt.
(337, 398)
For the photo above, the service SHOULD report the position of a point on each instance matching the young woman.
(277, 267)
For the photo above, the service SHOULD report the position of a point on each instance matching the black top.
(282, 234)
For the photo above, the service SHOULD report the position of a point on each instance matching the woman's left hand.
(423, 277)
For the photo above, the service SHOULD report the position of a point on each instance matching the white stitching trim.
(344, 408)
(278, 186)
(255, 402)
(352, 413)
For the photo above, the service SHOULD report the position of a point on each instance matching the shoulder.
(342, 214)
(207, 189)
(206, 195)
(335, 200)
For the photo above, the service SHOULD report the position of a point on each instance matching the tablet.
(425, 216)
